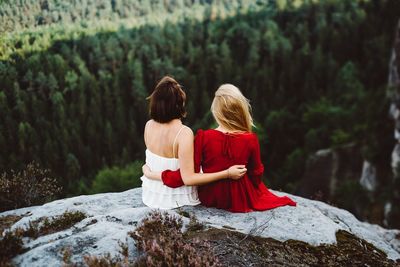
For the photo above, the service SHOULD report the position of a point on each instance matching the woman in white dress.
(169, 146)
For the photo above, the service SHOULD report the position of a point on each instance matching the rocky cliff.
(111, 216)
(392, 211)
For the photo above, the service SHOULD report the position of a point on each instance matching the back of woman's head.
(231, 109)
(167, 102)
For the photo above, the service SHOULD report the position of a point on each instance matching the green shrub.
(79, 187)
(340, 137)
(293, 167)
(117, 179)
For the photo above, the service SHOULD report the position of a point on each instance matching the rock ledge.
(115, 214)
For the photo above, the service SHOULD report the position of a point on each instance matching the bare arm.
(150, 174)
(235, 172)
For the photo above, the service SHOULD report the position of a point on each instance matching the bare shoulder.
(187, 130)
(186, 135)
(148, 123)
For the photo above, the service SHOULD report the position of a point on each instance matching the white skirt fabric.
(157, 195)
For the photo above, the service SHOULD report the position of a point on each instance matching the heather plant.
(157, 226)
(7, 221)
(194, 224)
(11, 243)
(10, 246)
(100, 261)
(45, 226)
(105, 261)
(30, 186)
(66, 257)
(161, 240)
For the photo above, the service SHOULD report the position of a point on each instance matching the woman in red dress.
(231, 143)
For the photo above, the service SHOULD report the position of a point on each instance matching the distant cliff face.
(394, 93)
(341, 176)
(392, 208)
(111, 216)
(330, 171)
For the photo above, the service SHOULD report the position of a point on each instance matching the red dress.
(216, 151)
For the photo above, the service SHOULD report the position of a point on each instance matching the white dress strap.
(146, 132)
(176, 137)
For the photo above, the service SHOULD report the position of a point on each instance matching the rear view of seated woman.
(169, 145)
(231, 143)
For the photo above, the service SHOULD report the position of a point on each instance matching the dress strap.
(145, 134)
(176, 137)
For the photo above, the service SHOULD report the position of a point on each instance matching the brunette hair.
(231, 109)
(167, 102)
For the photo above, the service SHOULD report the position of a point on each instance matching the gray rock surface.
(118, 213)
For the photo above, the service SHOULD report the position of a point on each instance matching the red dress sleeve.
(255, 166)
(173, 178)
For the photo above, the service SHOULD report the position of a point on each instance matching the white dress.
(157, 195)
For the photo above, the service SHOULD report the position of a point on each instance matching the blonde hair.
(231, 109)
